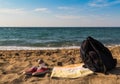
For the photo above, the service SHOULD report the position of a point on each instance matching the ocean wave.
(43, 48)
(56, 37)
(35, 48)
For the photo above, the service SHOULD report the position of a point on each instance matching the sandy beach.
(14, 62)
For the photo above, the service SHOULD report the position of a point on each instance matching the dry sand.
(14, 62)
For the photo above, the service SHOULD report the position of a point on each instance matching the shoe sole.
(39, 73)
(27, 73)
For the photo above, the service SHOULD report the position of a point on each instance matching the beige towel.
(70, 71)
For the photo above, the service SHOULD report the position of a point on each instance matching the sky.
(60, 13)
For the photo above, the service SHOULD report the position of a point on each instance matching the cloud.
(45, 10)
(12, 11)
(68, 17)
(59, 20)
(86, 20)
(65, 8)
(103, 3)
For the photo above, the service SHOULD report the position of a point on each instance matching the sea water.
(55, 37)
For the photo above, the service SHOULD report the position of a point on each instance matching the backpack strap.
(103, 69)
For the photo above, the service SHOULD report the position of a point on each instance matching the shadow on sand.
(115, 71)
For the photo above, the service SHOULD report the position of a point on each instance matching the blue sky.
(68, 13)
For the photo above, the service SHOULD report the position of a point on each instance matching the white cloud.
(65, 8)
(103, 3)
(68, 17)
(45, 10)
(61, 20)
(86, 20)
(12, 11)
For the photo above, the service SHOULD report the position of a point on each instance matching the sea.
(19, 38)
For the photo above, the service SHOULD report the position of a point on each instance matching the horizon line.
(56, 26)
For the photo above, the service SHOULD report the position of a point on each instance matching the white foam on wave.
(43, 48)
(35, 48)
(113, 45)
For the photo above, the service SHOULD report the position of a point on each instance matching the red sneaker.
(40, 71)
(30, 71)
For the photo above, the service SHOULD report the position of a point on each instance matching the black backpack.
(96, 56)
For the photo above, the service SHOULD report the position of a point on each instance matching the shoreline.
(35, 48)
(44, 48)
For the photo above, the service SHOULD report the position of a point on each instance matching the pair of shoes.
(36, 71)
(30, 71)
(40, 71)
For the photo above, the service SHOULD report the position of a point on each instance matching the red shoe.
(30, 71)
(40, 71)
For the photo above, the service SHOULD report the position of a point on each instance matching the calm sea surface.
(57, 36)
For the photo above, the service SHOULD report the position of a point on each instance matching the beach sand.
(14, 62)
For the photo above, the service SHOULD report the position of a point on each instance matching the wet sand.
(14, 62)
